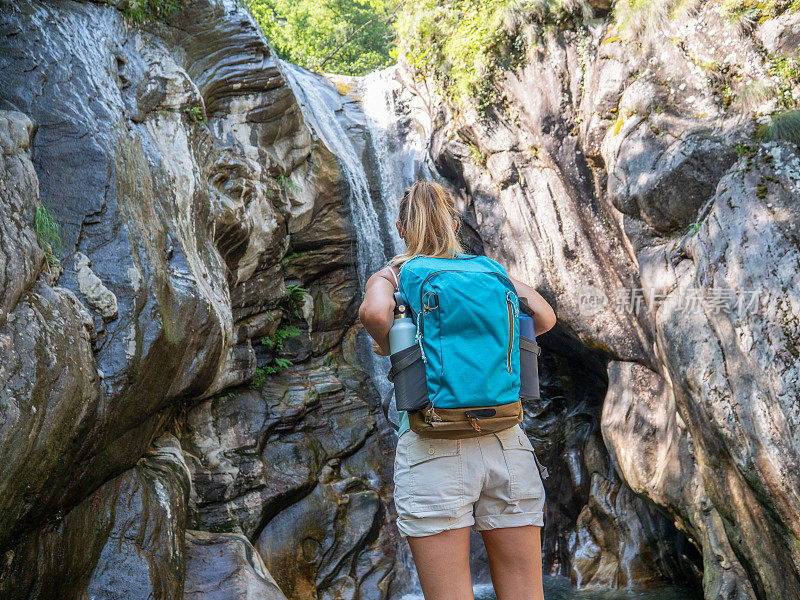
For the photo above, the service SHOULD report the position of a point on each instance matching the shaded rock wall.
(143, 458)
(620, 180)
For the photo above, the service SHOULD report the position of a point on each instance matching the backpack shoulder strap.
(396, 283)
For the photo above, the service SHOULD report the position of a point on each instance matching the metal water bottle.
(403, 333)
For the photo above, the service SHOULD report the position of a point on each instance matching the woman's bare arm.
(376, 312)
(544, 318)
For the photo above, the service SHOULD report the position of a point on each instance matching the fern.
(297, 294)
(281, 335)
(261, 374)
(48, 234)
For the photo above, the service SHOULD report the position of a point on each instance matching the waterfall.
(396, 148)
(320, 101)
(397, 164)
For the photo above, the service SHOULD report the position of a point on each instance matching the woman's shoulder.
(390, 273)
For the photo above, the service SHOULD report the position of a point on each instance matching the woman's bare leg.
(515, 562)
(442, 562)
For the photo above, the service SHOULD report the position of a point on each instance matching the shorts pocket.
(523, 472)
(436, 479)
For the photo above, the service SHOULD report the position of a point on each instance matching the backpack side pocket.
(408, 375)
(529, 368)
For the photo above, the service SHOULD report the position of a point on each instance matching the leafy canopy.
(350, 37)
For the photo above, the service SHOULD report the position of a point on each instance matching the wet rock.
(296, 461)
(225, 566)
(160, 150)
(126, 540)
(21, 259)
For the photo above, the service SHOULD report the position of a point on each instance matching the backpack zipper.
(420, 314)
(511, 312)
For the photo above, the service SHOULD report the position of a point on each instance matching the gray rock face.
(624, 185)
(147, 429)
(190, 192)
(223, 566)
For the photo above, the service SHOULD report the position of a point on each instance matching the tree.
(351, 37)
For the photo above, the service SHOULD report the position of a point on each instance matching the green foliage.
(140, 11)
(48, 234)
(783, 125)
(750, 12)
(290, 257)
(297, 296)
(195, 113)
(644, 17)
(477, 156)
(279, 363)
(351, 37)
(785, 71)
(287, 184)
(261, 374)
(282, 334)
(465, 44)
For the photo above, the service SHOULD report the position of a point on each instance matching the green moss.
(140, 11)
(48, 234)
(756, 11)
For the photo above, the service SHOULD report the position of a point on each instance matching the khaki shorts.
(486, 482)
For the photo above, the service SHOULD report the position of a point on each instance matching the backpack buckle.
(430, 415)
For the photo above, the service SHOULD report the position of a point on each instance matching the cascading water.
(396, 164)
(319, 101)
(398, 159)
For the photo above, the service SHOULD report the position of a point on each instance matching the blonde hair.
(426, 214)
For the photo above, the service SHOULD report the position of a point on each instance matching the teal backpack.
(466, 311)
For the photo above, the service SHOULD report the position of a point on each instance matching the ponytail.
(427, 215)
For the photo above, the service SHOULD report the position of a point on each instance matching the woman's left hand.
(377, 349)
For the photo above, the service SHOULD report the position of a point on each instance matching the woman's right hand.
(544, 317)
(377, 349)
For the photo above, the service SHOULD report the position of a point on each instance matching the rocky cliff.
(181, 414)
(185, 409)
(621, 175)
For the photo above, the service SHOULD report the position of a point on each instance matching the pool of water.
(560, 588)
